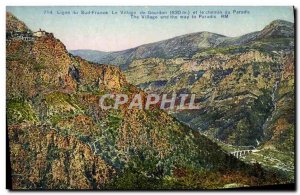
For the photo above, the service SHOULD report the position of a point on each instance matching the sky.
(115, 32)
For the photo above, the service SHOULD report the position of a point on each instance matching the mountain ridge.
(187, 45)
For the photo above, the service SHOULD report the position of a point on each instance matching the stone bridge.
(240, 153)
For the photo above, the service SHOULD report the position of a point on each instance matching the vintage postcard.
(150, 98)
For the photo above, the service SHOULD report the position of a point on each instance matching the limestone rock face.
(104, 76)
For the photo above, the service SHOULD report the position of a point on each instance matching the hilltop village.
(25, 35)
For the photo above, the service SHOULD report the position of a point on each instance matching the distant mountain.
(92, 55)
(184, 46)
(277, 28)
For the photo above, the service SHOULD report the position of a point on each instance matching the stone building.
(39, 33)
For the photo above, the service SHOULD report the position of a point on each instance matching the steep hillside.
(13, 24)
(60, 138)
